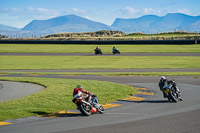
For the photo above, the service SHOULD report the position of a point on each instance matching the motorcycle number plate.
(166, 91)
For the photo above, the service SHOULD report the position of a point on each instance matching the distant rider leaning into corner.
(97, 49)
(114, 49)
(78, 91)
(163, 82)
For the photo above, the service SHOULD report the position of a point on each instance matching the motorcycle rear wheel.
(85, 109)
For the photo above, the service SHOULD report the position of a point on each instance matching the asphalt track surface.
(153, 115)
(14, 90)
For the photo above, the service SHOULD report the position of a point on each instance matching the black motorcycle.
(98, 51)
(172, 92)
(116, 51)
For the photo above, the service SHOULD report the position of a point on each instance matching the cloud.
(129, 10)
(23, 16)
(76, 10)
(19, 17)
(151, 11)
(30, 8)
(10, 10)
(42, 10)
(185, 11)
(168, 4)
(31, 11)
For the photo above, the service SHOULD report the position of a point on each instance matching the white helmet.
(162, 77)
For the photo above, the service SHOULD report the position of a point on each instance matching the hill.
(86, 35)
(156, 24)
(68, 23)
(8, 28)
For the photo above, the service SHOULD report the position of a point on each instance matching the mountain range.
(68, 23)
(156, 24)
(73, 23)
(6, 30)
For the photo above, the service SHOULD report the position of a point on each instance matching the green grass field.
(105, 73)
(97, 62)
(55, 48)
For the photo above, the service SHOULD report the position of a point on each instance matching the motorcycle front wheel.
(173, 96)
(101, 109)
(85, 109)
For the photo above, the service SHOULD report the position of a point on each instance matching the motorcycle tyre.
(169, 99)
(172, 97)
(101, 109)
(83, 111)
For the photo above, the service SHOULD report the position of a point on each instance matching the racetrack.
(153, 115)
(144, 116)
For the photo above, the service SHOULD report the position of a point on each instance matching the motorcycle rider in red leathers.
(92, 99)
(78, 92)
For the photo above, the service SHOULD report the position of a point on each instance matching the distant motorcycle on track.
(115, 50)
(97, 51)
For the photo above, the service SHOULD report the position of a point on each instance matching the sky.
(18, 13)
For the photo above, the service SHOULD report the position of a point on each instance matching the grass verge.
(106, 73)
(58, 96)
(58, 48)
(98, 62)
(151, 74)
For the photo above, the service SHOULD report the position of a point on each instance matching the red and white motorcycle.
(88, 108)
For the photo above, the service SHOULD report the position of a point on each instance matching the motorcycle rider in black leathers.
(163, 82)
(97, 50)
(115, 50)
